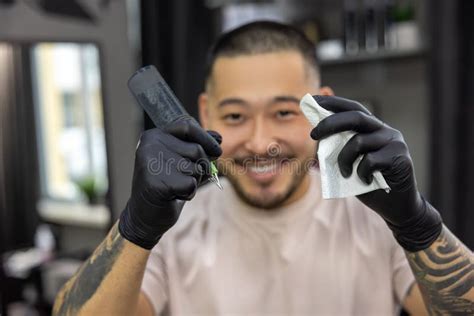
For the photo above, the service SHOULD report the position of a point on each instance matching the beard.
(298, 170)
(267, 202)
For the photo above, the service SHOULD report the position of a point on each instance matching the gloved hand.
(414, 222)
(169, 167)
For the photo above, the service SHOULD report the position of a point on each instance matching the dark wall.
(452, 101)
(175, 38)
(18, 157)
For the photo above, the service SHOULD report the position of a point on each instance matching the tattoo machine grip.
(155, 96)
(160, 103)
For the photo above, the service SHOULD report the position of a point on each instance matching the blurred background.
(68, 126)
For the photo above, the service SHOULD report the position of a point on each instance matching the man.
(268, 244)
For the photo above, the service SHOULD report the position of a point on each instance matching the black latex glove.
(414, 222)
(169, 167)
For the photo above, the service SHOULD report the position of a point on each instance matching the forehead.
(262, 75)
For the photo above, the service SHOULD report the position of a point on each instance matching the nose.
(261, 137)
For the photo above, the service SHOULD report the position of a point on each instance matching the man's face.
(253, 102)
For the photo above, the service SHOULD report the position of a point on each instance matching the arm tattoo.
(83, 285)
(445, 274)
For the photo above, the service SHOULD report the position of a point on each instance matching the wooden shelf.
(380, 55)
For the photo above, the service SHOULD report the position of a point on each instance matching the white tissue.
(334, 185)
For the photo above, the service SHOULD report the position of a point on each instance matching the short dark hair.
(262, 37)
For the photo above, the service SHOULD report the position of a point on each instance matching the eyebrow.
(277, 99)
(232, 101)
(285, 99)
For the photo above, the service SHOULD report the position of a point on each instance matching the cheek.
(298, 137)
(228, 136)
(232, 140)
(304, 148)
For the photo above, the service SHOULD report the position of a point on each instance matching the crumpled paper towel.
(334, 185)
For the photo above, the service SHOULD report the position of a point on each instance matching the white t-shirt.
(313, 257)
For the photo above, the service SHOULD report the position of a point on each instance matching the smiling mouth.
(267, 168)
(262, 165)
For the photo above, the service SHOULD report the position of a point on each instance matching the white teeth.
(263, 169)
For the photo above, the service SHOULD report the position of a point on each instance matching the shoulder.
(367, 229)
(195, 216)
(187, 243)
(200, 206)
(347, 213)
(362, 215)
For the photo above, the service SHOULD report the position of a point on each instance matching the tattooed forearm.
(445, 274)
(83, 285)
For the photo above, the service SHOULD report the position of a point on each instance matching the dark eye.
(285, 114)
(233, 118)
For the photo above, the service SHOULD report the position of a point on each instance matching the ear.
(326, 91)
(203, 102)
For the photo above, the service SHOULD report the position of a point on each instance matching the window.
(69, 114)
